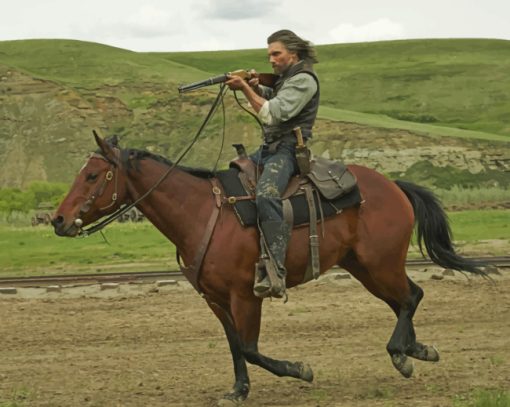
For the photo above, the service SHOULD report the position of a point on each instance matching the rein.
(119, 212)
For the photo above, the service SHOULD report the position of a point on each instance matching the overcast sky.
(190, 25)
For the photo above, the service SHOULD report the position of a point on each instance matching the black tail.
(434, 230)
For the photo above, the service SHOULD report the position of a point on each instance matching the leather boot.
(277, 235)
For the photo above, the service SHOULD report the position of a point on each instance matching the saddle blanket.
(246, 211)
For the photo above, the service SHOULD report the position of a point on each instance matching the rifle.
(266, 79)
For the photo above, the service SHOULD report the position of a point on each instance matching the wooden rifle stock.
(265, 79)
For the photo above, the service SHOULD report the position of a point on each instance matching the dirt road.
(137, 347)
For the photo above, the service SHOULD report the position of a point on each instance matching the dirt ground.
(141, 346)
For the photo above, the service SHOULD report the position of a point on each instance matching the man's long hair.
(304, 49)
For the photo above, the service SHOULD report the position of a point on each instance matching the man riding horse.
(293, 102)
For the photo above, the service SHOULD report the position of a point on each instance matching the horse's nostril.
(58, 220)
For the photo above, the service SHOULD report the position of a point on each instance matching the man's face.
(280, 57)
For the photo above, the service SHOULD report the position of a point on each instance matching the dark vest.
(304, 119)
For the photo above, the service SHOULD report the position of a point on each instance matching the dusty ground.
(137, 347)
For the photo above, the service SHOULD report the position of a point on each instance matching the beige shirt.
(294, 94)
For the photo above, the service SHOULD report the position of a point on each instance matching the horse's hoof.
(424, 352)
(403, 364)
(228, 403)
(235, 397)
(230, 400)
(305, 372)
(432, 354)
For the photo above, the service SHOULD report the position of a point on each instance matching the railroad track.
(70, 279)
(498, 261)
(76, 279)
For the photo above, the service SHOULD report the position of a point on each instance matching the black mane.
(131, 157)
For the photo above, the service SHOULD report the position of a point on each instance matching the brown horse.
(370, 241)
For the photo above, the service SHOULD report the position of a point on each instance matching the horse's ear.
(106, 149)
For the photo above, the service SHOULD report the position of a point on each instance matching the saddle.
(325, 191)
(331, 179)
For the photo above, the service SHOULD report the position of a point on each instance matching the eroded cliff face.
(45, 132)
(42, 129)
(395, 151)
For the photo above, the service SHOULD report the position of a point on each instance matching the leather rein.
(112, 173)
(121, 211)
(192, 272)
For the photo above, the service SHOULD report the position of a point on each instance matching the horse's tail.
(434, 230)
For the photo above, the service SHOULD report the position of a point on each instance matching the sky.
(200, 25)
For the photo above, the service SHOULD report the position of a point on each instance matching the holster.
(303, 154)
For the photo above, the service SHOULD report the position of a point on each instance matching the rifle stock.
(265, 79)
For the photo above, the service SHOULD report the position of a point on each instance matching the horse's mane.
(131, 157)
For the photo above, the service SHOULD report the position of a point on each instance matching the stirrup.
(262, 288)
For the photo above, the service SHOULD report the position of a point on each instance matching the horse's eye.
(91, 177)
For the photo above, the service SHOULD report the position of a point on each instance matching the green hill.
(383, 104)
(90, 65)
(461, 83)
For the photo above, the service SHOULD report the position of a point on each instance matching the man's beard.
(281, 70)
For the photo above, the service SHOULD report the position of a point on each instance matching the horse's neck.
(179, 207)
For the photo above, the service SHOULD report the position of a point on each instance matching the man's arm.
(295, 93)
(292, 97)
(256, 101)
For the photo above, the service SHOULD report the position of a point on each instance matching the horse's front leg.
(246, 311)
(242, 382)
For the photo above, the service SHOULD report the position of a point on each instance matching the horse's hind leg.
(403, 296)
(404, 336)
(247, 312)
(403, 341)
(416, 349)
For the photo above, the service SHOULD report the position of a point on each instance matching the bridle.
(110, 174)
(78, 222)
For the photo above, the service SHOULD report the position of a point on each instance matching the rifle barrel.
(266, 79)
(201, 84)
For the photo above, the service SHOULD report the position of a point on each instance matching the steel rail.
(126, 277)
(501, 261)
(89, 278)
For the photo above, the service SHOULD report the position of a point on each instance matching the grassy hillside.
(90, 65)
(384, 121)
(460, 83)
(383, 105)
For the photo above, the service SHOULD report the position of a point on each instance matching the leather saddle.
(330, 178)
(335, 184)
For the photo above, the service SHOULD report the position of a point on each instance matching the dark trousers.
(279, 167)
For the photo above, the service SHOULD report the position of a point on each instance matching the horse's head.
(98, 190)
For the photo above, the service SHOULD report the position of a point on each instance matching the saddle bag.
(331, 178)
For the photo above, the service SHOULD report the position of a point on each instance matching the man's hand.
(236, 82)
(254, 80)
(249, 88)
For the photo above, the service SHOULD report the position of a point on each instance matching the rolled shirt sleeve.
(264, 114)
(265, 92)
(295, 93)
